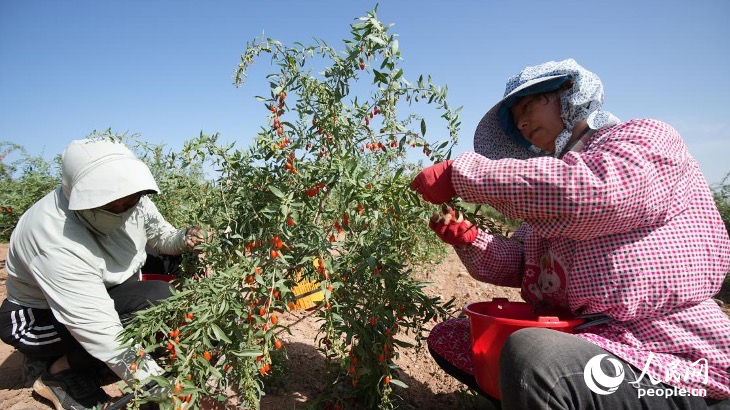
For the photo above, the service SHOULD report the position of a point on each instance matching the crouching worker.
(74, 272)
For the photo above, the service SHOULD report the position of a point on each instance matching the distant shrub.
(23, 181)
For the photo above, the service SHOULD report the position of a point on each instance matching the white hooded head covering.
(497, 136)
(96, 172)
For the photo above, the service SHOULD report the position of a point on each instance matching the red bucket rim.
(548, 320)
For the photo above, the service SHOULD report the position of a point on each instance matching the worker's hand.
(161, 395)
(434, 183)
(452, 228)
(194, 236)
(142, 372)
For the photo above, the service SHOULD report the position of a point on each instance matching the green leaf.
(423, 127)
(371, 262)
(376, 39)
(399, 383)
(274, 190)
(216, 373)
(402, 343)
(247, 353)
(219, 333)
(222, 307)
(398, 173)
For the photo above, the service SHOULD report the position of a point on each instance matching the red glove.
(453, 230)
(434, 183)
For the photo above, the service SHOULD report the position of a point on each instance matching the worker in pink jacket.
(620, 227)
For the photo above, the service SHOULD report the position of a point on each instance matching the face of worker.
(122, 205)
(537, 117)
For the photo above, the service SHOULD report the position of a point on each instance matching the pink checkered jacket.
(626, 227)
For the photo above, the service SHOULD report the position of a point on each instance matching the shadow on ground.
(302, 385)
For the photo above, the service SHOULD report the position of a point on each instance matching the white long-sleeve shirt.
(55, 262)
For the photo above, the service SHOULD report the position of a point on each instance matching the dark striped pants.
(37, 334)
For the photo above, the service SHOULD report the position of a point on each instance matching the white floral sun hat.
(497, 137)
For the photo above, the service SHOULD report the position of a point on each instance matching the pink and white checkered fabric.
(626, 227)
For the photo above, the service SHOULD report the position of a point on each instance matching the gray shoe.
(70, 390)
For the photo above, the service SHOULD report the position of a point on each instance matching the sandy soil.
(429, 386)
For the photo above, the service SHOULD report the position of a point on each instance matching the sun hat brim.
(492, 140)
(116, 178)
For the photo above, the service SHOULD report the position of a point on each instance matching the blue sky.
(163, 69)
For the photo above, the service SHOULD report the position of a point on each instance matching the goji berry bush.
(321, 195)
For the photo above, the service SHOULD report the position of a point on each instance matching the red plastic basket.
(490, 323)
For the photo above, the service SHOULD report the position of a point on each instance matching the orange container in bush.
(490, 323)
